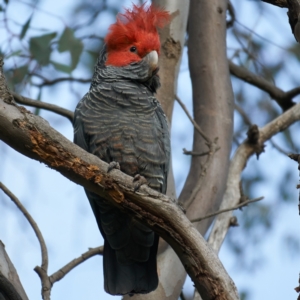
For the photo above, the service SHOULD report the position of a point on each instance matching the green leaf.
(68, 42)
(19, 74)
(15, 53)
(61, 67)
(66, 39)
(40, 48)
(75, 54)
(25, 28)
(6, 1)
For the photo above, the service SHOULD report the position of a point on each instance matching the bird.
(120, 121)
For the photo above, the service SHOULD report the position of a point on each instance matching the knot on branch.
(295, 157)
(171, 48)
(253, 140)
(233, 222)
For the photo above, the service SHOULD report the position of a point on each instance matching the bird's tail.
(132, 277)
(130, 248)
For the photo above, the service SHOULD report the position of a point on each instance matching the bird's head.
(134, 37)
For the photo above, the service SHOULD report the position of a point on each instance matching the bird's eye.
(133, 49)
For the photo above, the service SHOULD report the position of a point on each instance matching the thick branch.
(10, 285)
(213, 107)
(33, 137)
(284, 99)
(245, 150)
(47, 106)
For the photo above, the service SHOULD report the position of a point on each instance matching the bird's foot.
(139, 181)
(113, 165)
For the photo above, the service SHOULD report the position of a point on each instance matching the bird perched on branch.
(120, 121)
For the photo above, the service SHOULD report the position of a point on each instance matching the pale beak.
(152, 59)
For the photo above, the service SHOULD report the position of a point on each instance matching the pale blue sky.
(62, 211)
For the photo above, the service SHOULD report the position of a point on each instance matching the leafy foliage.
(40, 48)
(68, 42)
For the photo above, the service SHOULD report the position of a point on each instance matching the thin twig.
(232, 15)
(284, 99)
(58, 80)
(245, 203)
(58, 275)
(213, 148)
(186, 152)
(197, 127)
(243, 114)
(33, 224)
(47, 106)
(42, 271)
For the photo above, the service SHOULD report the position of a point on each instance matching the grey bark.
(10, 285)
(232, 195)
(212, 102)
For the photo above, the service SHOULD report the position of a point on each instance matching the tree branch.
(231, 12)
(212, 107)
(186, 152)
(245, 150)
(62, 272)
(47, 106)
(10, 285)
(32, 223)
(242, 204)
(33, 137)
(197, 127)
(293, 14)
(283, 99)
(42, 271)
(47, 82)
(280, 3)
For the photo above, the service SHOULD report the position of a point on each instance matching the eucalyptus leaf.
(19, 74)
(25, 28)
(61, 67)
(40, 48)
(68, 42)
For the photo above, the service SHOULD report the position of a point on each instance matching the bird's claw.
(139, 181)
(113, 165)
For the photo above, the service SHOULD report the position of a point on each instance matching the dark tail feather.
(130, 278)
